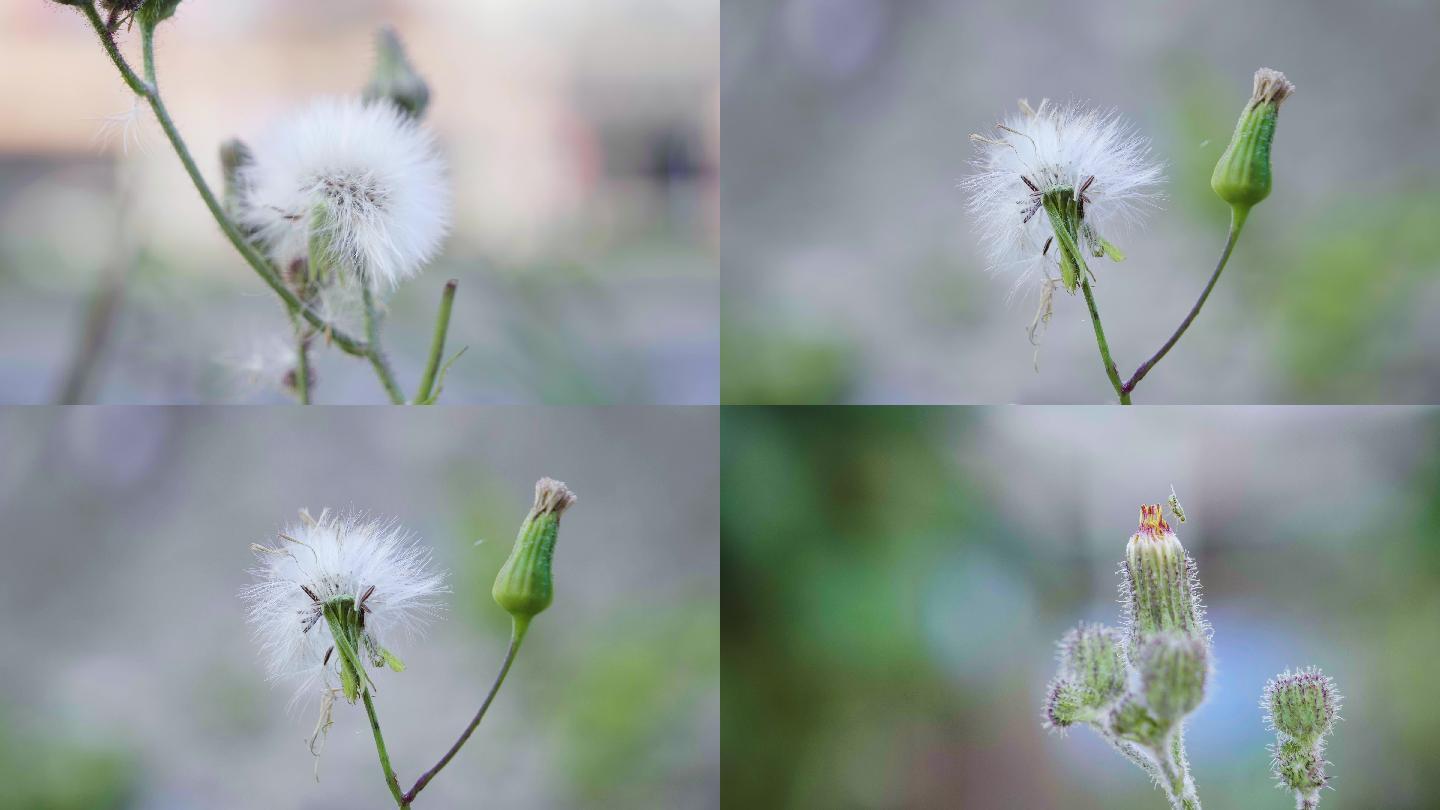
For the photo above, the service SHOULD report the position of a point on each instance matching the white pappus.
(1093, 157)
(380, 567)
(365, 172)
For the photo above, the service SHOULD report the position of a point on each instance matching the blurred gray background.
(895, 580)
(851, 272)
(129, 678)
(582, 141)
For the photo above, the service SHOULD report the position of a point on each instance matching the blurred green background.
(581, 139)
(130, 680)
(894, 581)
(852, 273)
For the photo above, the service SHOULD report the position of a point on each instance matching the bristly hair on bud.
(1174, 671)
(1050, 182)
(1301, 707)
(1159, 586)
(363, 181)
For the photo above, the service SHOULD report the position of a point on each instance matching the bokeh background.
(853, 274)
(582, 139)
(895, 581)
(130, 680)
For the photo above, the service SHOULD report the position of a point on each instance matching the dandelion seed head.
(1047, 149)
(373, 173)
(374, 563)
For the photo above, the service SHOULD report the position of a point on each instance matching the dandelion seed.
(1086, 170)
(371, 573)
(362, 178)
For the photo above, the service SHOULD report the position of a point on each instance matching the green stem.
(390, 779)
(1110, 370)
(302, 363)
(437, 343)
(1176, 781)
(377, 354)
(150, 92)
(517, 634)
(1237, 222)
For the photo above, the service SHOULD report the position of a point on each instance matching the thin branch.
(517, 635)
(437, 343)
(1237, 222)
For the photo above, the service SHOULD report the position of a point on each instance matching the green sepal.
(392, 661)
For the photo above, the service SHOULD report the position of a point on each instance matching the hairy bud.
(1242, 177)
(1301, 707)
(524, 586)
(1067, 703)
(1159, 588)
(1091, 656)
(1173, 673)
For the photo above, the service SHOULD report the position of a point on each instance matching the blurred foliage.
(43, 772)
(783, 366)
(888, 626)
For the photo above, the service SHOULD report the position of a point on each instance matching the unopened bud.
(1302, 704)
(1173, 672)
(1067, 703)
(153, 12)
(524, 586)
(394, 78)
(1090, 655)
(1242, 177)
(1158, 583)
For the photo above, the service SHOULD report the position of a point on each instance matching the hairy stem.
(1110, 370)
(390, 779)
(377, 354)
(437, 343)
(1175, 778)
(518, 628)
(1237, 222)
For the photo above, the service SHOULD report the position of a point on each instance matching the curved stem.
(390, 779)
(375, 353)
(517, 635)
(437, 343)
(1237, 222)
(1110, 370)
(1176, 780)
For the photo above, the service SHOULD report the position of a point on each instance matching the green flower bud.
(524, 586)
(1173, 671)
(394, 78)
(1091, 656)
(1158, 584)
(1242, 177)
(1302, 705)
(1132, 721)
(1067, 703)
(1301, 708)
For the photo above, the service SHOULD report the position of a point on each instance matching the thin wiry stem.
(1110, 370)
(437, 343)
(517, 635)
(1237, 222)
(1175, 778)
(377, 354)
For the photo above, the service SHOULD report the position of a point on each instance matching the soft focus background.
(582, 139)
(895, 581)
(130, 680)
(852, 272)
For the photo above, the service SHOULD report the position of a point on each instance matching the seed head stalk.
(148, 88)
